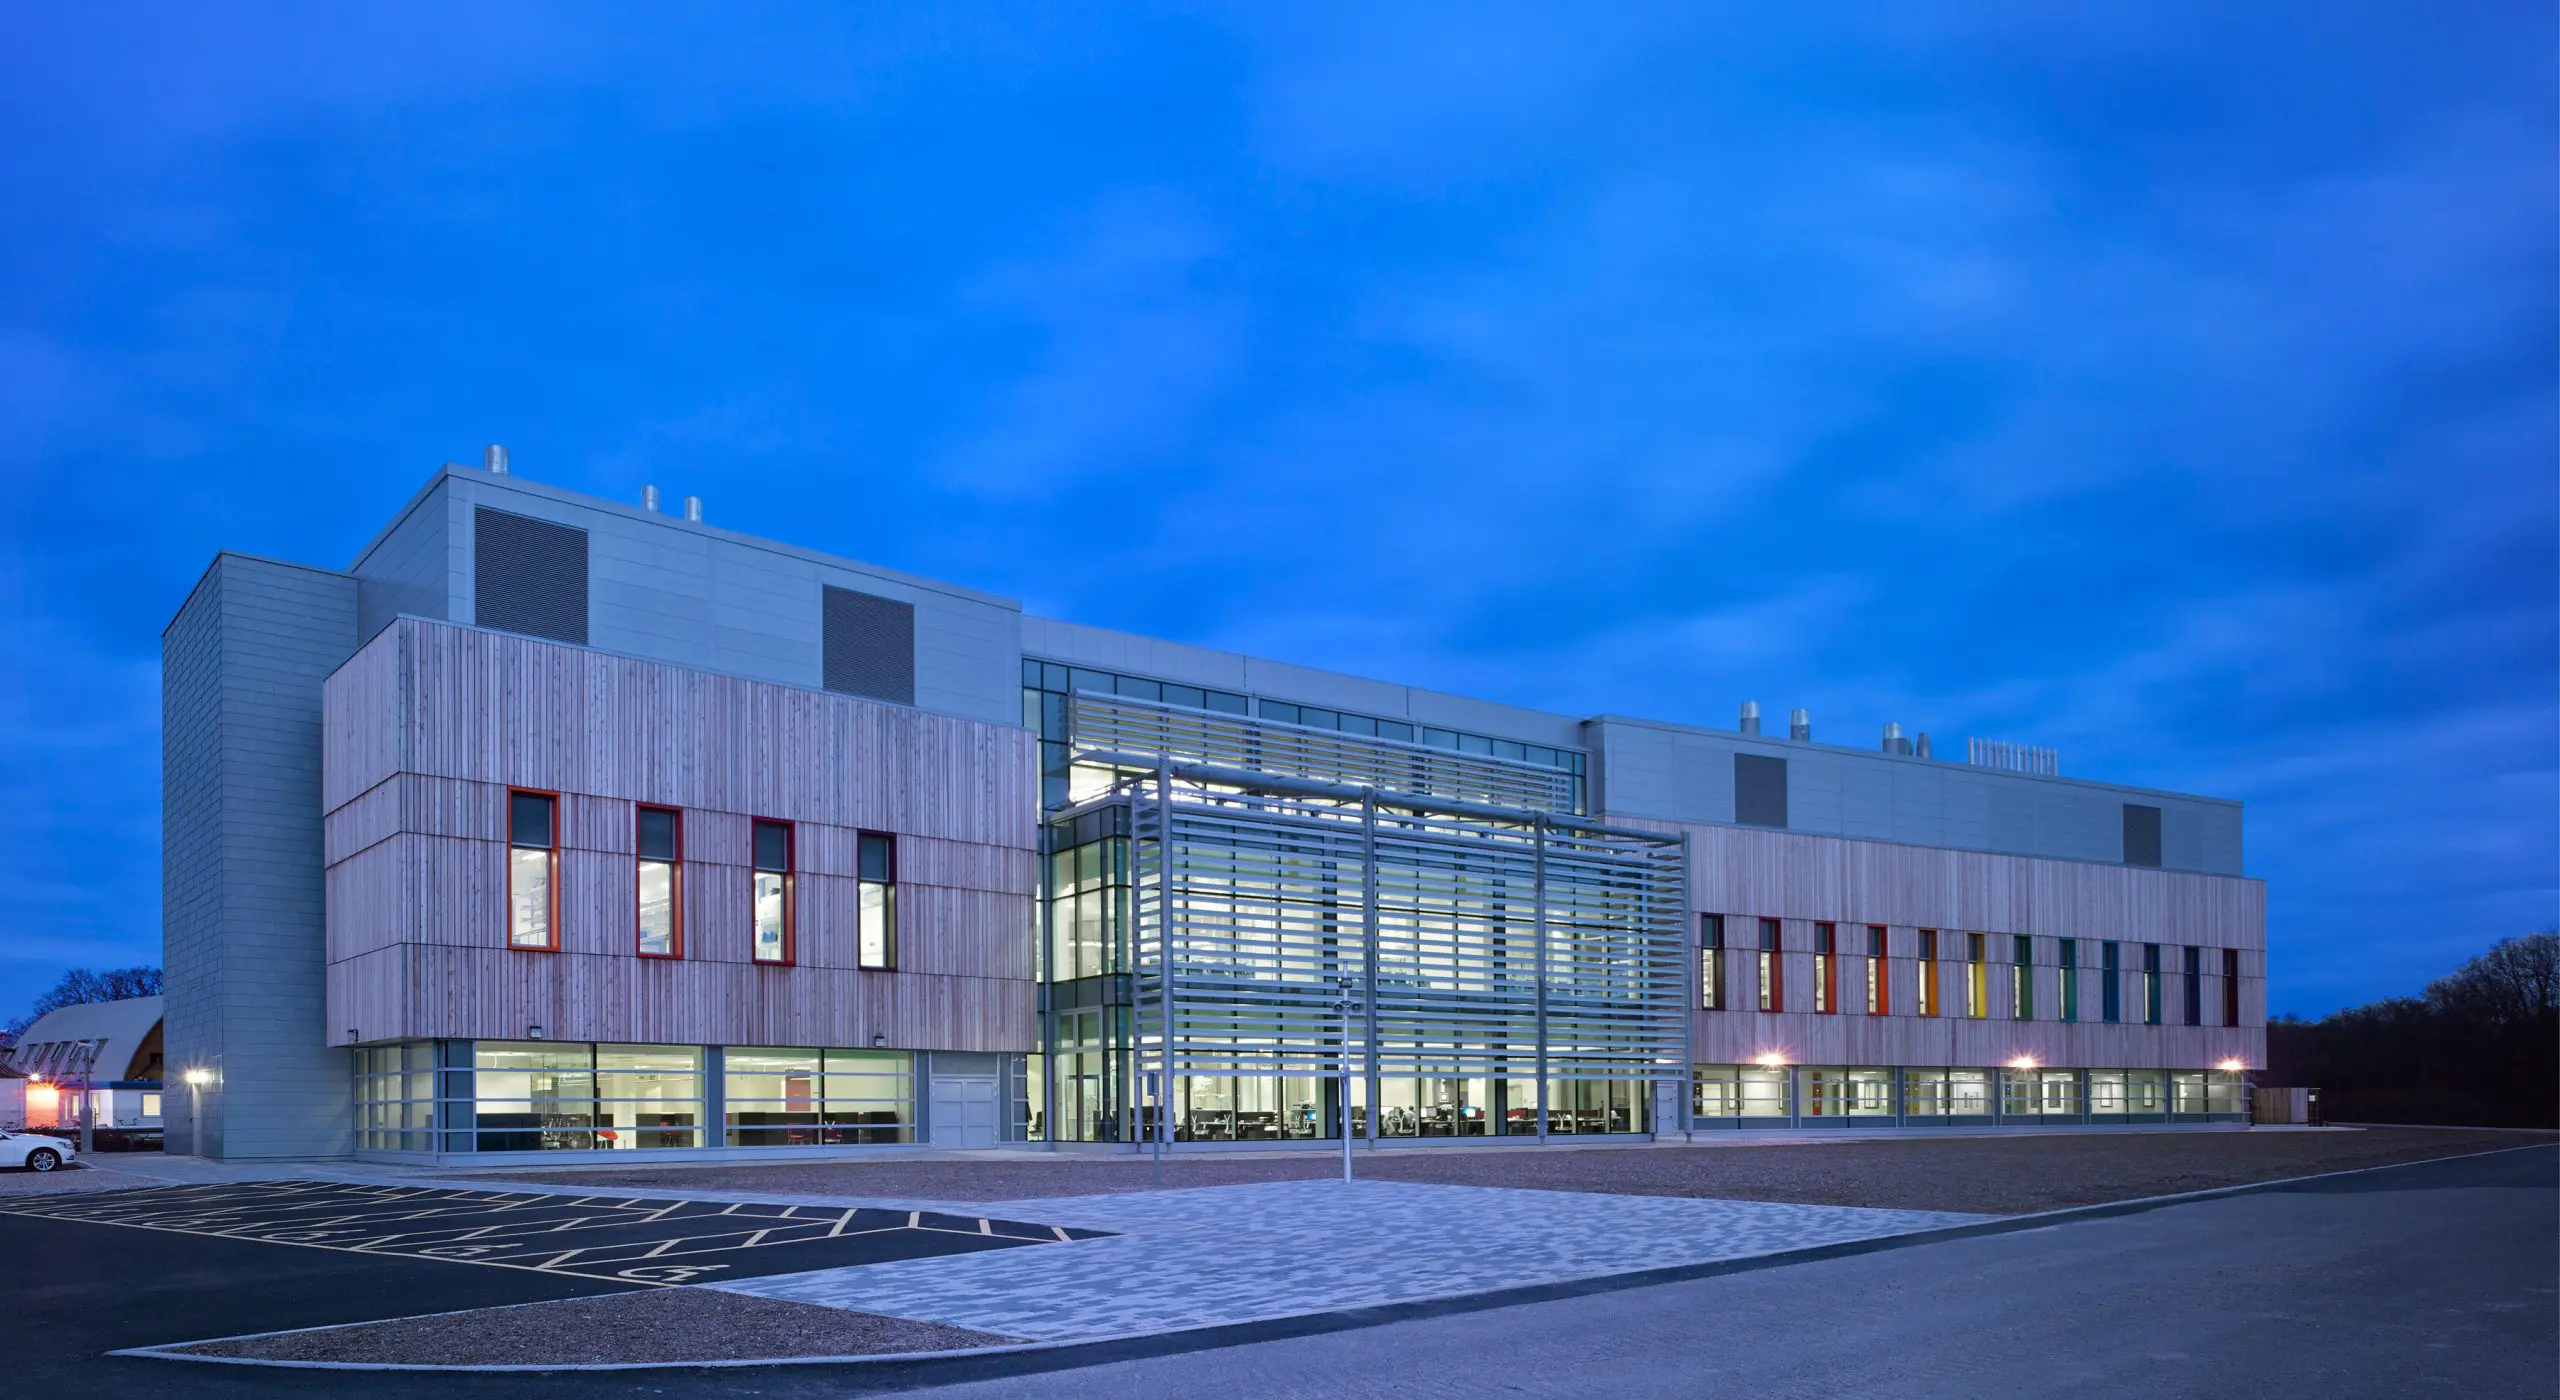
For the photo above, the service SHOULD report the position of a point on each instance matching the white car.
(33, 1151)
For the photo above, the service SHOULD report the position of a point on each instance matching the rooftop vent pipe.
(1800, 725)
(494, 458)
(649, 499)
(1923, 750)
(1893, 738)
(693, 509)
(1750, 716)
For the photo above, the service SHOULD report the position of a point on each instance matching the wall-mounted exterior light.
(2023, 1062)
(199, 1077)
(2233, 1066)
(1771, 1060)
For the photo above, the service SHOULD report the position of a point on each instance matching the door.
(964, 1110)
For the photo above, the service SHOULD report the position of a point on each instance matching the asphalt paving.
(2427, 1279)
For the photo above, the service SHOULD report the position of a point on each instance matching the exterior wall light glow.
(2232, 1066)
(199, 1077)
(1772, 1060)
(2023, 1062)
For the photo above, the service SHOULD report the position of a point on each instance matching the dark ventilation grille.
(529, 576)
(871, 646)
(2141, 835)
(1759, 790)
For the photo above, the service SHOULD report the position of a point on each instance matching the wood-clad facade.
(430, 724)
(1801, 880)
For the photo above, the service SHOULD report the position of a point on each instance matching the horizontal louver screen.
(870, 646)
(2141, 834)
(1759, 790)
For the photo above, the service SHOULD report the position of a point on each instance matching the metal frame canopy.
(1322, 928)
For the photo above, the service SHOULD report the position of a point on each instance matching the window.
(1710, 961)
(2194, 987)
(773, 892)
(1715, 1091)
(533, 857)
(661, 859)
(1928, 972)
(876, 940)
(2110, 984)
(1772, 990)
(780, 1097)
(1977, 979)
(2071, 979)
(2022, 978)
(2151, 984)
(1826, 968)
(2230, 986)
(549, 1095)
(1875, 970)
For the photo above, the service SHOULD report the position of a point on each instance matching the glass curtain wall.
(396, 1097)
(566, 1096)
(791, 1097)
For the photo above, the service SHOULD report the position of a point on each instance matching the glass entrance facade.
(1742, 1096)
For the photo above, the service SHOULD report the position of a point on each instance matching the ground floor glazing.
(1813, 1096)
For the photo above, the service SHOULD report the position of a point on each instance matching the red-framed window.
(533, 870)
(1826, 969)
(1773, 989)
(658, 840)
(770, 913)
(1879, 987)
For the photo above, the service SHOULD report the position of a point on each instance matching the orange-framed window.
(772, 905)
(533, 870)
(1878, 987)
(1929, 1003)
(1773, 990)
(1826, 968)
(659, 842)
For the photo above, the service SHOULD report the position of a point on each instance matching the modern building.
(551, 823)
(102, 1059)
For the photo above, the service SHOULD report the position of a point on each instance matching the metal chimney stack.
(649, 499)
(1800, 725)
(693, 509)
(1893, 738)
(494, 458)
(1750, 716)
(1923, 750)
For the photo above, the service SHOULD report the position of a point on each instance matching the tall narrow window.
(1929, 1004)
(773, 892)
(2151, 984)
(2194, 987)
(2022, 978)
(2110, 983)
(1877, 988)
(1772, 987)
(2071, 979)
(2230, 986)
(533, 858)
(1977, 979)
(661, 848)
(876, 943)
(1710, 961)
(1826, 968)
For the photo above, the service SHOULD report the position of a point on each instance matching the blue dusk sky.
(2173, 385)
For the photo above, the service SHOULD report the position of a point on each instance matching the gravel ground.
(1998, 1175)
(653, 1324)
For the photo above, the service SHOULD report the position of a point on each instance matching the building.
(108, 1050)
(552, 823)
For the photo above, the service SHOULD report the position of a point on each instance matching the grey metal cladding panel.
(2217, 836)
(529, 576)
(870, 645)
(191, 840)
(2013, 818)
(408, 572)
(2141, 834)
(2181, 837)
(282, 631)
(2075, 824)
(1814, 792)
(1759, 790)
(1868, 801)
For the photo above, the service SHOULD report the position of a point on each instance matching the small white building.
(112, 1048)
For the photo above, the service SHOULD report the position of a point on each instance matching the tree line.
(2481, 1047)
(81, 987)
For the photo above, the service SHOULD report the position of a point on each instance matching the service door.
(964, 1110)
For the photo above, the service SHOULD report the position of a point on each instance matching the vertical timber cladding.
(1491, 926)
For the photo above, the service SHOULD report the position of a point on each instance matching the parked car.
(34, 1151)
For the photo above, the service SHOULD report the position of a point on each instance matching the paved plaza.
(1228, 1254)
